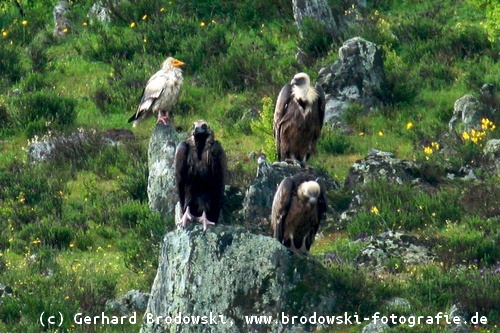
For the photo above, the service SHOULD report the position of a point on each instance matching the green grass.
(84, 221)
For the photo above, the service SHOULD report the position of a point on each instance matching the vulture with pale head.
(161, 93)
(299, 206)
(298, 119)
(200, 173)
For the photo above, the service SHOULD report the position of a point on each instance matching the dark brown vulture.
(298, 119)
(200, 173)
(299, 206)
(161, 93)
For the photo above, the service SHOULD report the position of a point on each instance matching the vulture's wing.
(321, 106)
(154, 88)
(219, 171)
(281, 205)
(279, 113)
(321, 202)
(181, 170)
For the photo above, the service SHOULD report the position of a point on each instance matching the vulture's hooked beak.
(201, 130)
(177, 63)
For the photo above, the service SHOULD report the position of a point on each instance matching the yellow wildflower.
(144, 18)
(65, 30)
(133, 25)
(374, 210)
(435, 145)
(84, 24)
(24, 22)
(361, 133)
(380, 133)
(162, 9)
(409, 125)
(466, 136)
(202, 24)
(428, 150)
(4, 33)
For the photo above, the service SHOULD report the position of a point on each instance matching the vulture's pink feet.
(186, 217)
(203, 220)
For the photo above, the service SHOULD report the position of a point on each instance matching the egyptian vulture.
(200, 173)
(298, 119)
(161, 93)
(298, 208)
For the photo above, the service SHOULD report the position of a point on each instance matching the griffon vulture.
(298, 119)
(200, 173)
(298, 208)
(161, 93)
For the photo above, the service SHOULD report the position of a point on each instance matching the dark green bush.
(317, 41)
(10, 67)
(42, 107)
(333, 142)
(402, 207)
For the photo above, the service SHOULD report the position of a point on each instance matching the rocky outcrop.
(74, 145)
(318, 11)
(381, 164)
(61, 22)
(394, 245)
(259, 196)
(357, 77)
(131, 301)
(467, 114)
(227, 273)
(162, 190)
(99, 12)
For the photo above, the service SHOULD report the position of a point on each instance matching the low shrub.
(40, 108)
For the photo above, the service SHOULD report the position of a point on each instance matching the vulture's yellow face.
(177, 63)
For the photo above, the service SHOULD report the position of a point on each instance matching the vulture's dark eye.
(204, 126)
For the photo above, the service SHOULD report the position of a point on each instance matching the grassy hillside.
(78, 231)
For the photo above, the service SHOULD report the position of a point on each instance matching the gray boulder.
(131, 301)
(461, 326)
(162, 190)
(74, 145)
(229, 273)
(381, 164)
(357, 77)
(61, 22)
(492, 152)
(391, 245)
(467, 114)
(318, 11)
(99, 13)
(259, 196)
(375, 327)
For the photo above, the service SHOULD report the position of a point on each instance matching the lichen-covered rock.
(131, 301)
(375, 327)
(318, 11)
(230, 273)
(259, 196)
(61, 22)
(467, 114)
(162, 190)
(391, 245)
(461, 326)
(99, 12)
(357, 77)
(381, 164)
(71, 146)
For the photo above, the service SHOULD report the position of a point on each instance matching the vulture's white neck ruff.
(305, 94)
